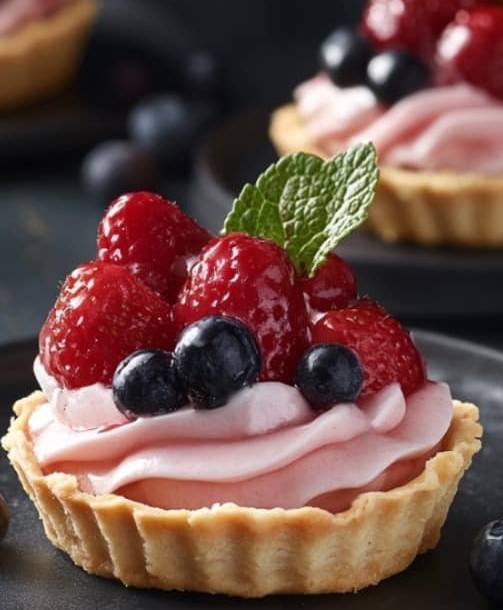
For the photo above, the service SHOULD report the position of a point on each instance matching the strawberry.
(254, 281)
(471, 49)
(333, 285)
(153, 238)
(385, 348)
(411, 25)
(102, 314)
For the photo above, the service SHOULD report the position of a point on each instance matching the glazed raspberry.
(413, 25)
(333, 285)
(384, 347)
(153, 238)
(471, 49)
(254, 281)
(102, 314)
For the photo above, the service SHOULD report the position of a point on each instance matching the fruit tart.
(40, 46)
(225, 414)
(423, 81)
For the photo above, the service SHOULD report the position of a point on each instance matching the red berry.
(384, 347)
(253, 280)
(413, 25)
(333, 285)
(153, 238)
(102, 314)
(471, 49)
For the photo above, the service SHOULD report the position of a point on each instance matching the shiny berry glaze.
(384, 347)
(216, 357)
(413, 25)
(103, 313)
(153, 238)
(253, 280)
(328, 374)
(146, 383)
(333, 285)
(471, 49)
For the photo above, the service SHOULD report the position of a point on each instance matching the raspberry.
(153, 238)
(102, 314)
(254, 281)
(333, 285)
(411, 25)
(384, 347)
(471, 49)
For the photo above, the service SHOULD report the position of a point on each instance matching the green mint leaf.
(254, 214)
(307, 205)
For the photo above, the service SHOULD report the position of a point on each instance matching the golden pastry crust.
(425, 207)
(39, 59)
(246, 551)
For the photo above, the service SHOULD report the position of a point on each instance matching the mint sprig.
(308, 205)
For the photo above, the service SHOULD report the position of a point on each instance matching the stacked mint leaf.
(307, 205)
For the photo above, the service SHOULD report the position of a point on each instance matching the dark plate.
(33, 574)
(409, 280)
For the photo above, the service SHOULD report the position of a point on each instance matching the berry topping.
(146, 383)
(216, 357)
(117, 167)
(4, 517)
(328, 374)
(253, 280)
(153, 238)
(167, 125)
(411, 25)
(333, 285)
(102, 314)
(471, 49)
(344, 56)
(394, 74)
(486, 561)
(383, 346)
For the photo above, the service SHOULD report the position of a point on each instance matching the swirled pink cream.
(457, 127)
(265, 448)
(15, 13)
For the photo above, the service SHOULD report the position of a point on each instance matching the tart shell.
(246, 551)
(425, 207)
(38, 59)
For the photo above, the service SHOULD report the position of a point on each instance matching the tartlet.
(39, 58)
(246, 551)
(423, 83)
(226, 415)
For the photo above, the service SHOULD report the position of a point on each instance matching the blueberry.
(201, 74)
(327, 374)
(486, 561)
(394, 74)
(117, 167)
(146, 383)
(344, 56)
(4, 517)
(216, 356)
(167, 125)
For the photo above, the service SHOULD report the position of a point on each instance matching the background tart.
(246, 551)
(425, 207)
(39, 58)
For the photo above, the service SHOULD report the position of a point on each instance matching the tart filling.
(455, 127)
(16, 13)
(265, 448)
